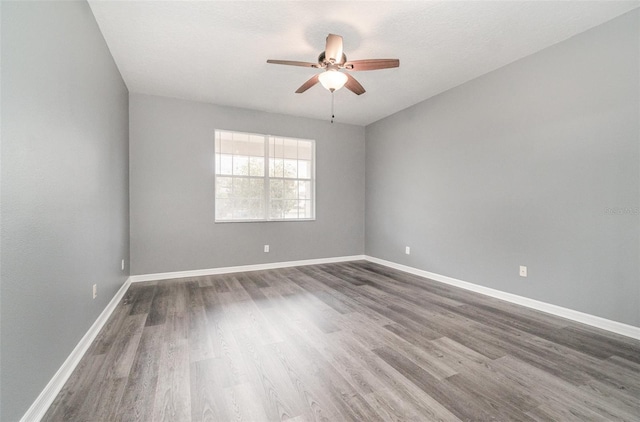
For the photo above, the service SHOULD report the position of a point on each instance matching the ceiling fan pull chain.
(332, 99)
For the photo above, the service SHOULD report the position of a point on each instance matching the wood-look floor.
(351, 341)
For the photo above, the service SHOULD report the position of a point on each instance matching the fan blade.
(333, 50)
(311, 82)
(353, 85)
(293, 63)
(372, 64)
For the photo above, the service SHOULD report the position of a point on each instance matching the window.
(263, 177)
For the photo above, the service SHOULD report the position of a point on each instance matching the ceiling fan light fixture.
(332, 80)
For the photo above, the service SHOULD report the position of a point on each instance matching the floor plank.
(343, 342)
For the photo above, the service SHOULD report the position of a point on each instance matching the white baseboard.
(46, 397)
(242, 268)
(594, 321)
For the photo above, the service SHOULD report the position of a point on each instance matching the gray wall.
(172, 195)
(518, 167)
(64, 198)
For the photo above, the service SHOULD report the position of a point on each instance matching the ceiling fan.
(333, 60)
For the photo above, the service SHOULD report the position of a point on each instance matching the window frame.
(266, 177)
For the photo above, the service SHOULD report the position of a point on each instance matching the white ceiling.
(216, 51)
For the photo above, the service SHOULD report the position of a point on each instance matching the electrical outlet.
(95, 291)
(407, 250)
(266, 248)
(122, 265)
(523, 271)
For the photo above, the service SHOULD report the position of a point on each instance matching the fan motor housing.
(323, 62)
